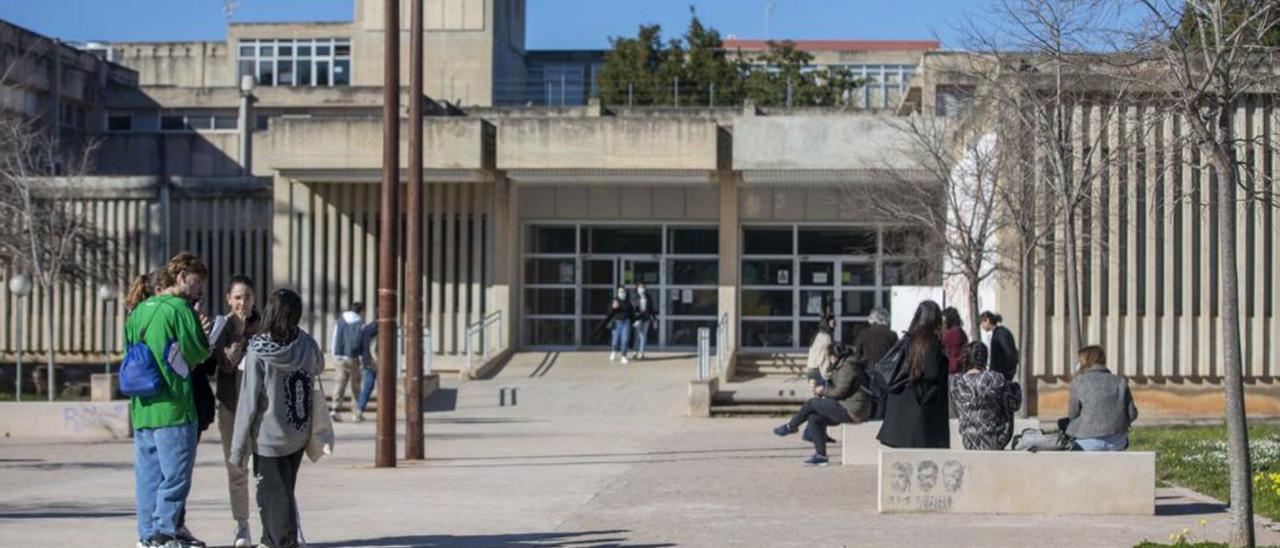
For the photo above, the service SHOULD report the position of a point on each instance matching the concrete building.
(540, 200)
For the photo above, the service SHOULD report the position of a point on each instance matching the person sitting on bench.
(1101, 406)
(846, 399)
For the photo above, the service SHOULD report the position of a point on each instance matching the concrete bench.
(65, 420)
(858, 443)
(1016, 482)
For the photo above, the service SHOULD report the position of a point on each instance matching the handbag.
(890, 373)
(321, 441)
(140, 375)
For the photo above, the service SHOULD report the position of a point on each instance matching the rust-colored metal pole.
(388, 248)
(413, 448)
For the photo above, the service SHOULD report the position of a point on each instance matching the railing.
(704, 353)
(426, 352)
(722, 341)
(480, 328)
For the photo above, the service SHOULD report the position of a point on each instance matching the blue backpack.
(139, 373)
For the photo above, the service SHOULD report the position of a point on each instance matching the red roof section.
(840, 45)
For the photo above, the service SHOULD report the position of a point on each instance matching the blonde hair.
(138, 292)
(1091, 357)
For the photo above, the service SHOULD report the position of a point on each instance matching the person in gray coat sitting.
(1101, 407)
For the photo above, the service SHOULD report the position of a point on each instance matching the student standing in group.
(916, 411)
(273, 414)
(985, 402)
(645, 314)
(345, 344)
(872, 343)
(1101, 407)
(1004, 350)
(847, 399)
(233, 333)
(621, 313)
(165, 429)
(953, 338)
(818, 365)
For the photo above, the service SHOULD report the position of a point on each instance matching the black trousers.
(277, 477)
(820, 413)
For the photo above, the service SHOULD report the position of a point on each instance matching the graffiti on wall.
(923, 486)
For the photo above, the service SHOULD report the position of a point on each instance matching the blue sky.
(553, 24)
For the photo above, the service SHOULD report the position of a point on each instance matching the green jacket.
(178, 344)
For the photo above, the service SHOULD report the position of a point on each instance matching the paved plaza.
(593, 454)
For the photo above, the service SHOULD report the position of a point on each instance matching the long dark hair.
(284, 311)
(923, 332)
(974, 356)
(951, 318)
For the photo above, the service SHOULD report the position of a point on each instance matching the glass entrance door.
(601, 278)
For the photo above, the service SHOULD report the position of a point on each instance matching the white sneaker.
(641, 356)
(624, 359)
(359, 417)
(613, 356)
(334, 416)
(243, 539)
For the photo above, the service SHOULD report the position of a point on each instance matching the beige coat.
(819, 357)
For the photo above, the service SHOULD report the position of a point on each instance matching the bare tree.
(948, 194)
(1036, 63)
(1210, 55)
(47, 233)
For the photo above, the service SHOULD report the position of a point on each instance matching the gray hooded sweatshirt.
(273, 414)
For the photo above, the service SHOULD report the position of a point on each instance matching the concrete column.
(281, 231)
(729, 263)
(504, 292)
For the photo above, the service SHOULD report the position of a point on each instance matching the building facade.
(540, 200)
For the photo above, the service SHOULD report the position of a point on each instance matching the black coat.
(916, 415)
(873, 342)
(1004, 353)
(624, 312)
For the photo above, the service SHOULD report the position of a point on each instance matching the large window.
(793, 275)
(571, 272)
(300, 62)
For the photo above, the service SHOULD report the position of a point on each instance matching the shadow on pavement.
(445, 399)
(62, 511)
(1190, 509)
(595, 539)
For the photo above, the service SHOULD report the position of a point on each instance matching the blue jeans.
(642, 335)
(367, 377)
(621, 336)
(163, 459)
(1114, 442)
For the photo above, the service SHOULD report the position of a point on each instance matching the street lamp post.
(20, 286)
(106, 294)
(247, 123)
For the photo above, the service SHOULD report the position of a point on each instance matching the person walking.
(345, 344)
(369, 367)
(645, 314)
(846, 400)
(953, 338)
(916, 410)
(230, 342)
(164, 424)
(818, 365)
(1100, 408)
(1004, 350)
(621, 313)
(273, 414)
(985, 402)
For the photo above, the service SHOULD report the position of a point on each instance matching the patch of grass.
(1183, 545)
(1195, 457)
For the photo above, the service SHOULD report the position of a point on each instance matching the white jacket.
(819, 357)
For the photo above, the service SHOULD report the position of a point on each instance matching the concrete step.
(756, 410)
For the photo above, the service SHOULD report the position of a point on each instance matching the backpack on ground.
(1034, 440)
(139, 373)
